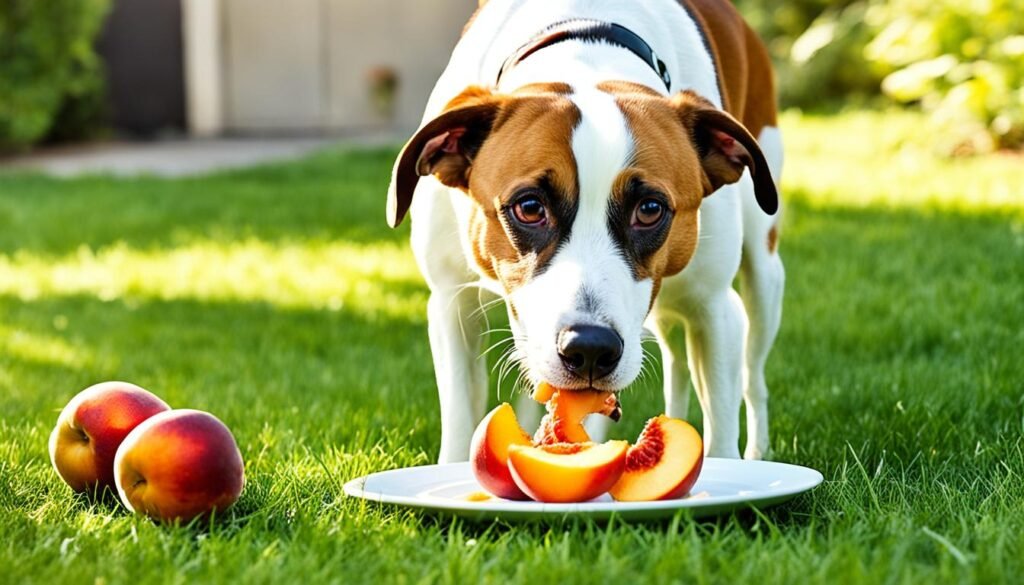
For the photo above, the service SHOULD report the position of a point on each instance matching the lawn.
(277, 299)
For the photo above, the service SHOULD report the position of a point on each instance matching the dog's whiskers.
(506, 363)
(494, 346)
(485, 306)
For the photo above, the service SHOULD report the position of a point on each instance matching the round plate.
(724, 485)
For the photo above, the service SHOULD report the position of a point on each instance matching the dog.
(594, 164)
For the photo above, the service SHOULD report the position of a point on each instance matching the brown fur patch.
(773, 239)
(744, 67)
(472, 95)
(665, 160)
(530, 144)
(616, 87)
(556, 87)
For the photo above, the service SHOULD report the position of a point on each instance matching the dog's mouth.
(612, 407)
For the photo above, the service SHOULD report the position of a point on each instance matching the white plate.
(724, 485)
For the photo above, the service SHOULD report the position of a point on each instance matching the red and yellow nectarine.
(179, 465)
(91, 428)
(664, 463)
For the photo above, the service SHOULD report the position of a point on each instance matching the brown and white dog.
(593, 163)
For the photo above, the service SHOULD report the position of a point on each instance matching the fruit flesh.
(664, 464)
(489, 452)
(567, 472)
(179, 465)
(566, 410)
(543, 392)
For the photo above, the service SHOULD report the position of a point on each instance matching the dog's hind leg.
(761, 287)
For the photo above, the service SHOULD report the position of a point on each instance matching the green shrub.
(961, 61)
(48, 67)
(825, 65)
(816, 46)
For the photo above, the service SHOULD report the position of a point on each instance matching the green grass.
(276, 299)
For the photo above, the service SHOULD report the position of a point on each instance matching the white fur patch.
(589, 281)
(602, 145)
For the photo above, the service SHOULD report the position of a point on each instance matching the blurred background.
(73, 70)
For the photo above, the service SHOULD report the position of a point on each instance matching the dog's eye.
(648, 213)
(529, 210)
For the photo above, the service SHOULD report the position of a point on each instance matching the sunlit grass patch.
(867, 158)
(44, 349)
(371, 279)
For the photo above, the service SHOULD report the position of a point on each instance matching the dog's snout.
(589, 351)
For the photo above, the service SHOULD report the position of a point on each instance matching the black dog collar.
(590, 31)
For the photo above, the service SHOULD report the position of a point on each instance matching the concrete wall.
(307, 66)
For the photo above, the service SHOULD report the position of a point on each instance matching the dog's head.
(584, 202)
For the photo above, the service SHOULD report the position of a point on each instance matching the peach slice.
(664, 463)
(566, 410)
(567, 472)
(543, 392)
(489, 452)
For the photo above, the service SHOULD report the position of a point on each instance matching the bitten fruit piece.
(91, 428)
(567, 472)
(664, 463)
(179, 465)
(543, 392)
(566, 410)
(489, 452)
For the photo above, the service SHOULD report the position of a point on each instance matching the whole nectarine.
(179, 465)
(91, 428)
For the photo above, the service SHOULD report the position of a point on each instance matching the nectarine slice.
(567, 472)
(543, 392)
(566, 410)
(489, 452)
(664, 463)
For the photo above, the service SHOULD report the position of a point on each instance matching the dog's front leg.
(667, 329)
(456, 330)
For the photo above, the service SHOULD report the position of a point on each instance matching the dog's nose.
(589, 351)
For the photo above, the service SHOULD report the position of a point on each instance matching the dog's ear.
(444, 147)
(725, 147)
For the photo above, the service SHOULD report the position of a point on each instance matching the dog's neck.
(580, 64)
(501, 30)
(592, 31)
